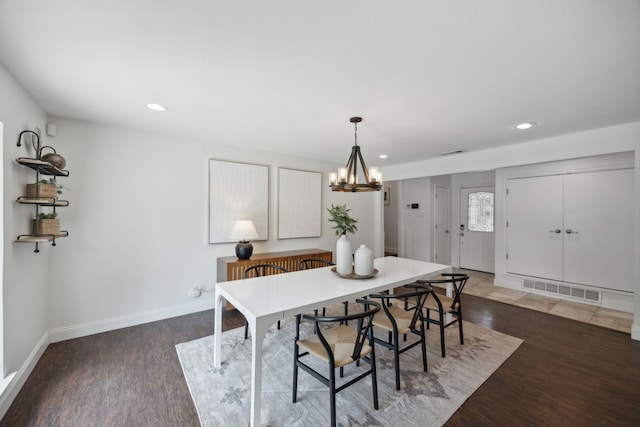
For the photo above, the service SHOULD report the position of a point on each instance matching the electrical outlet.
(195, 292)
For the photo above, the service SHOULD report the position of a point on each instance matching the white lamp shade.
(244, 230)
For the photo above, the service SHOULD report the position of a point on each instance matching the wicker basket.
(42, 191)
(46, 226)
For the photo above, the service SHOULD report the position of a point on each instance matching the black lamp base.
(244, 250)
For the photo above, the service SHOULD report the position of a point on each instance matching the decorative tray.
(355, 276)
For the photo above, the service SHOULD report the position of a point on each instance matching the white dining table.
(267, 299)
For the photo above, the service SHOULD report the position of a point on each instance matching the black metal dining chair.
(398, 318)
(444, 305)
(258, 271)
(308, 263)
(338, 346)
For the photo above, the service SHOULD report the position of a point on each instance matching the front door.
(476, 226)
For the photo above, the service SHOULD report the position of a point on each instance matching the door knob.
(570, 231)
(557, 231)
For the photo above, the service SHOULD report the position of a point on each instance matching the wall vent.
(563, 290)
(449, 153)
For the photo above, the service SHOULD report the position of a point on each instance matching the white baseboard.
(90, 328)
(20, 377)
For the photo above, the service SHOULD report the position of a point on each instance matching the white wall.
(138, 224)
(25, 293)
(416, 233)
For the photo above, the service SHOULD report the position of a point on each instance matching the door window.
(480, 217)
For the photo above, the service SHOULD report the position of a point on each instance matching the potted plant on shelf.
(344, 224)
(46, 223)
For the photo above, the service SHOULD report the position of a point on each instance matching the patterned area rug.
(221, 396)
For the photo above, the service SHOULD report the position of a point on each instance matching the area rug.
(222, 396)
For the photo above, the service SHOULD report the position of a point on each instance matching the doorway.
(476, 229)
(442, 225)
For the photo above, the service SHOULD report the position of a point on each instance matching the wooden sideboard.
(231, 268)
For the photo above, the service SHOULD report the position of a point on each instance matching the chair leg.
(295, 374)
(296, 350)
(278, 325)
(396, 361)
(374, 377)
(424, 346)
(460, 327)
(332, 392)
(346, 311)
(246, 329)
(441, 317)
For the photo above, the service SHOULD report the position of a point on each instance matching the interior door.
(598, 229)
(535, 226)
(442, 234)
(477, 240)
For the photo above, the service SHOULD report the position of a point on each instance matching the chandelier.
(346, 180)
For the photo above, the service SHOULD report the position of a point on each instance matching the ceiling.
(427, 76)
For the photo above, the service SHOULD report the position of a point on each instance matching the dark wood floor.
(565, 373)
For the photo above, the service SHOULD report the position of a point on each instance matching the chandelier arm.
(365, 170)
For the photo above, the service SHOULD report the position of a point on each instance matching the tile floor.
(481, 284)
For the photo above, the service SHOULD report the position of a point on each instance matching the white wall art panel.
(237, 191)
(299, 203)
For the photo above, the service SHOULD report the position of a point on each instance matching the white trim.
(4, 381)
(90, 328)
(17, 379)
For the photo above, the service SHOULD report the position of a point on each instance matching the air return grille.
(564, 290)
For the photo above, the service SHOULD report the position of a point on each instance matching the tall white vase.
(344, 255)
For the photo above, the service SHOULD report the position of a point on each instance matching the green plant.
(344, 222)
(51, 215)
(52, 181)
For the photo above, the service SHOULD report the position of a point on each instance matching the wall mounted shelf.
(41, 168)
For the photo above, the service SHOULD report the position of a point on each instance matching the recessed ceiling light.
(157, 107)
(383, 156)
(524, 126)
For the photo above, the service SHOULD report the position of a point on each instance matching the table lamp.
(243, 231)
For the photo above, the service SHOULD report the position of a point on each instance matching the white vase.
(363, 261)
(344, 255)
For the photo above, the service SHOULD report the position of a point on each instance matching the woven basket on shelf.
(42, 191)
(46, 226)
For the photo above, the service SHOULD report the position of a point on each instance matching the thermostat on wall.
(51, 129)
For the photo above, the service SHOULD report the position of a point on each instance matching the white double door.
(574, 228)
